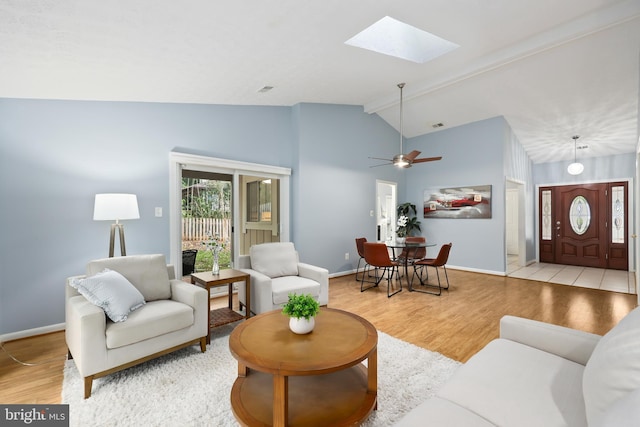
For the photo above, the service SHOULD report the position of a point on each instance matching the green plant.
(301, 306)
(407, 220)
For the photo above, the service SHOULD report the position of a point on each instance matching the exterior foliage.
(203, 198)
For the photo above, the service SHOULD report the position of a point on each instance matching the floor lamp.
(109, 207)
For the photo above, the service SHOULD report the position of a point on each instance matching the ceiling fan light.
(575, 168)
(400, 161)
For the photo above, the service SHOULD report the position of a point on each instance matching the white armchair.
(275, 272)
(173, 315)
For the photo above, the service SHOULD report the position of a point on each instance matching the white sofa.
(173, 315)
(543, 375)
(275, 272)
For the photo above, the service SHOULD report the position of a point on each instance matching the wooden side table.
(317, 379)
(222, 316)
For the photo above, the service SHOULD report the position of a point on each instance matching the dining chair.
(377, 256)
(423, 264)
(360, 241)
(410, 254)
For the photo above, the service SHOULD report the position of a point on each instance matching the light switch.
(158, 212)
(371, 213)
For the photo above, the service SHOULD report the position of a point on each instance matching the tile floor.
(586, 277)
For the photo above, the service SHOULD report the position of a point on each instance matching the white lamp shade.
(575, 168)
(114, 206)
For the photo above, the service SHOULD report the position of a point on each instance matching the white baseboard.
(341, 273)
(452, 267)
(32, 332)
(476, 270)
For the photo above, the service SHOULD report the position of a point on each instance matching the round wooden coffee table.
(315, 379)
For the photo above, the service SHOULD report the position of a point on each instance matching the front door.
(584, 225)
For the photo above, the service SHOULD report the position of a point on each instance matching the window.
(259, 201)
(579, 215)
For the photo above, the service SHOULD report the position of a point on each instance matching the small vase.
(400, 240)
(215, 268)
(300, 325)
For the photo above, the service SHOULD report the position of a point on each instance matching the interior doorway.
(386, 202)
(515, 224)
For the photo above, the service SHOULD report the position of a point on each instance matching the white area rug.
(190, 388)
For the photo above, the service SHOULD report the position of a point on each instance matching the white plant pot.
(301, 325)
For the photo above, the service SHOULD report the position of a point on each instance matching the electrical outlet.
(346, 255)
(158, 212)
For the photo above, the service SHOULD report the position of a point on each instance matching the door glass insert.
(579, 215)
(617, 213)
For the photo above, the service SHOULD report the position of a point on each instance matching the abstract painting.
(458, 202)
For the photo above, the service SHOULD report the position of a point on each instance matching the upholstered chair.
(128, 310)
(276, 272)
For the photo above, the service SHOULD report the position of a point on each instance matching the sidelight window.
(617, 213)
(546, 215)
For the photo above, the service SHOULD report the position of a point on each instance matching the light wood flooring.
(456, 324)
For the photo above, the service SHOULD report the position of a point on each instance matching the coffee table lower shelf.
(222, 316)
(336, 399)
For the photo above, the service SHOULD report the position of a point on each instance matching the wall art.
(458, 202)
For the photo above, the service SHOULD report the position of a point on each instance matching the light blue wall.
(56, 155)
(472, 154)
(336, 185)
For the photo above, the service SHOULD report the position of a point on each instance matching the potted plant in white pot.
(301, 310)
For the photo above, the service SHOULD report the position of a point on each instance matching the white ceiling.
(552, 68)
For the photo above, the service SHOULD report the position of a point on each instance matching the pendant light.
(576, 167)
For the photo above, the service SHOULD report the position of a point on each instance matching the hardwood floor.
(466, 317)
(456, 324)
(39, 384)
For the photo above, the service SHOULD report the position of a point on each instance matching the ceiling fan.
(405, 160)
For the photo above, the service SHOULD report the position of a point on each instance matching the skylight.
(392, 37)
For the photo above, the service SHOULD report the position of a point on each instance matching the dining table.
(411, 248)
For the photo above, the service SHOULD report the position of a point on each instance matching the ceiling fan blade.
(383, 164)
(427, 159)
(380, 158)
(412, 155)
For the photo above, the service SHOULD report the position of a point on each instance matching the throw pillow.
(274, 259)
(112, 292)
(613, 370)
